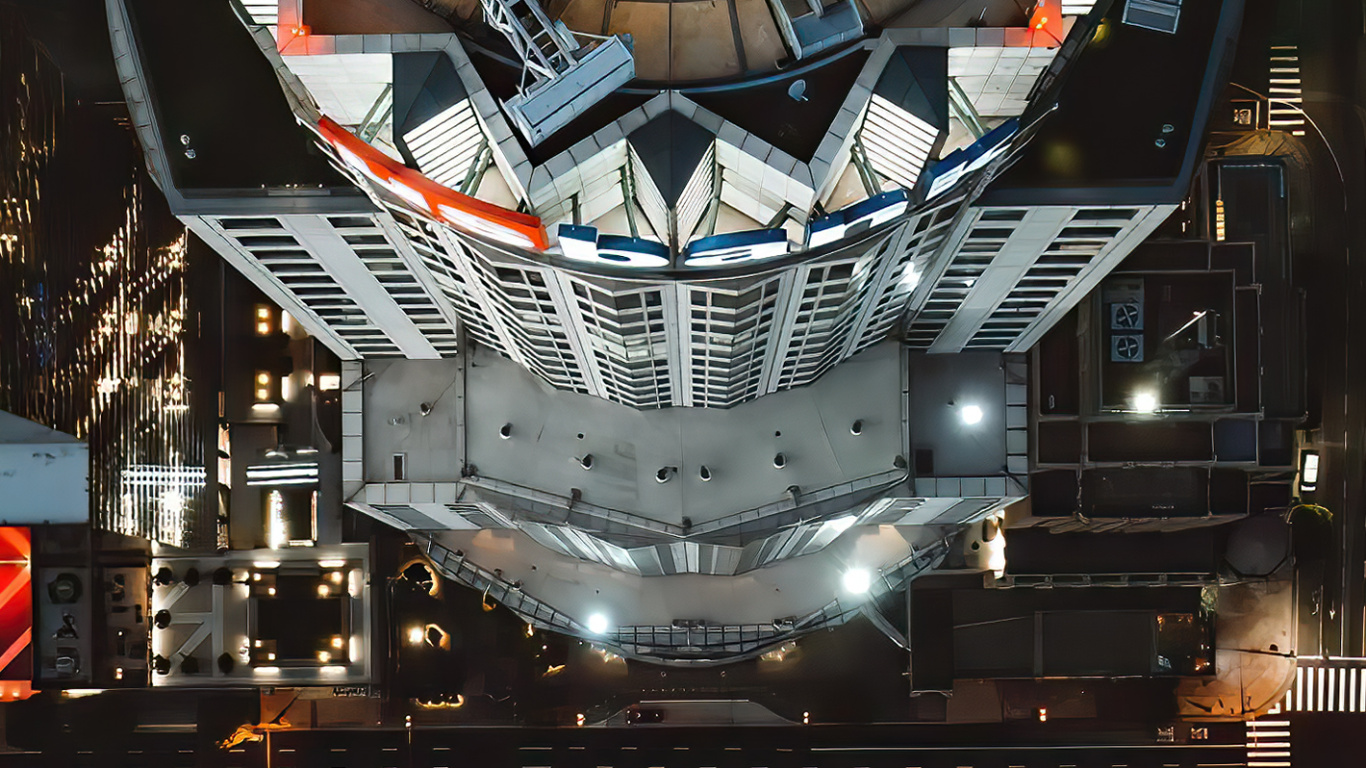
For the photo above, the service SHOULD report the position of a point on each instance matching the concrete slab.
(945, 13)
(763, 42)
(790, 587)
(702, 42)
(648, 25)
(941, 386)
(552, 430)
(586, 16)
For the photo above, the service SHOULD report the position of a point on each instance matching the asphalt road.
(1331, 47)
(653, 747)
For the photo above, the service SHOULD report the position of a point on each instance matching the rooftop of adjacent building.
(211, 85)
(1109, 128)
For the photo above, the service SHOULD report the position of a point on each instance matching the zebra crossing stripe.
(1268, 743)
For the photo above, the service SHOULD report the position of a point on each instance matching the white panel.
(44, 483)
(345, 85)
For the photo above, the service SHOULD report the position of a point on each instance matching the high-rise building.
(638, 307)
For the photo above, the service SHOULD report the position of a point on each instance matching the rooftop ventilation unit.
(1157, 15)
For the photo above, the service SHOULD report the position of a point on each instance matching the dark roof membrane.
(1127, 85)
(670, 146)
(425, 84)
(211, 83)
(766, 110)
(917, 80)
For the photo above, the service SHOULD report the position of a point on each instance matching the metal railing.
(684, 642)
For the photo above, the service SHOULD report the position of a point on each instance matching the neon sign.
(422, 194)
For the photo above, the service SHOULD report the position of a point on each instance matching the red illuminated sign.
(16, 605)
(423, 194)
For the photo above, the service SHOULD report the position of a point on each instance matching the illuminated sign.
(424, 195)
(961, 162)
(736, 248)
(16, 607)
(859, 217)
(583, 243)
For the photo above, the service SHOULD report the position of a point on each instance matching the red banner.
(459, 210)
(16, 605)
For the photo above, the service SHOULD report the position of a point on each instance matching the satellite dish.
(797, 90)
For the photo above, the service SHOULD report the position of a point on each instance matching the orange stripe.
(384, 167)
(17, 648)
(20, 581)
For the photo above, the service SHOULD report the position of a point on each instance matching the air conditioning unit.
(1126, 316)
(1207, 390)
(1126, 348)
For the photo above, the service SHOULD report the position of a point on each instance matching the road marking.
(540, 748)
(283, 750)
(338, 749)
(441, 749)
(391, 749)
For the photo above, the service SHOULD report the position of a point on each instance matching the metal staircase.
(560, 79)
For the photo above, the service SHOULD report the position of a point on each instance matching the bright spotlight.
(597, 624)
(857, 581)
(1145, 402)
(415, 635)
(970, 414)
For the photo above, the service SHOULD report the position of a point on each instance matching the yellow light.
(263, 329)
(328, 382)
(262, 377)
(335, 576)
(256, 577)
(262, 395)
(415, 635)
(337, 642)
(258, 643)
(270, 591)
(270, 657)
(118, 673)
(324, 656)
(324, 590)
(262, 312)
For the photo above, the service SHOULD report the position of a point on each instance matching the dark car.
(639, 716)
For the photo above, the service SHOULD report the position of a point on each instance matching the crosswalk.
(1268, 744)
(1325, 689)
(1286, 91)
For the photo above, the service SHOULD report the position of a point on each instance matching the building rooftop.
(552, 430)
(1109, 129)
(209, 82)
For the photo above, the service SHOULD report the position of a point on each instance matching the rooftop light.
(1145, 402)
(597, 624)
(857, 581)
(970, 414)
